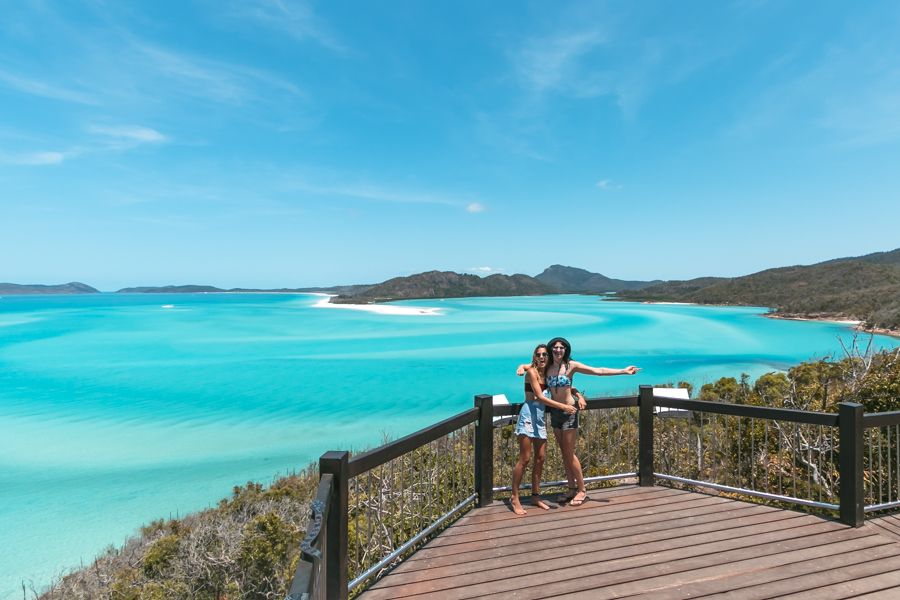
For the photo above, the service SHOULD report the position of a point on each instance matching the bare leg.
(569, 437)
(540, 450)
(565, 497)
(518, 471)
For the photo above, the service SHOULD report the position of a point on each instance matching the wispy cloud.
(851, 93)
(379, 193)
(43, 89)
(127, 136)
(606, 184)
(295, 19)
(38, 159)
(550, 63)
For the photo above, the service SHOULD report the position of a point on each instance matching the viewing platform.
(653, 542)
(688, 499)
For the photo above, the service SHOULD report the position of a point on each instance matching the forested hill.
(447, 284)
(866, 288)
(74, 287)
(579, 281)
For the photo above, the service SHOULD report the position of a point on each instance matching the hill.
(580, 281)
(171, 289)
(866, 288)
(74, 287)
(447, 284)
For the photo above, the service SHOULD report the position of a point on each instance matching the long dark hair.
(566, 356)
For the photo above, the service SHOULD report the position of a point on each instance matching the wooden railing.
(405, 491)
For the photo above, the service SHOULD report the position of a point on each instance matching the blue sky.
(277, 143)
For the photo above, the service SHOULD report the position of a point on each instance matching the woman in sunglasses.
(558, 375)
(532, 430)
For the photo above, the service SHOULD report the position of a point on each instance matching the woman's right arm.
(536, 385)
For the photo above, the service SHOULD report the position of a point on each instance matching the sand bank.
(381, 309)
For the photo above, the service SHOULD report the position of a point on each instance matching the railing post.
(850, 422)
(484, 449)
(645, 436)
(336, 462)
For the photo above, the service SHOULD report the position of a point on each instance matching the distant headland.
(863, 288)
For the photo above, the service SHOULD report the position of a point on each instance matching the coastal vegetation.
(247, 546)
(865, 288)
(74, 287)
(447, 284)
(571, 280)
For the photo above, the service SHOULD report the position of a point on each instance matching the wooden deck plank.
(615, 565)
(622, 522)
(634, 542)
(747, 585)
(849, 589)
(613, 536)
(760, 579)
(634, 580)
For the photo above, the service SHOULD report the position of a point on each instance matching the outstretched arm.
(522, 368)
(578, 367)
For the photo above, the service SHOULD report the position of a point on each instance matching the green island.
(863, 288)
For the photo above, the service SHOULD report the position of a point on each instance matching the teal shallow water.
(118, 409)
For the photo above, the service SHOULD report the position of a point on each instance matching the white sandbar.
(381, 309)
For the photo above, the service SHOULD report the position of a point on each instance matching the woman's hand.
(581, 403)
(569, 409)
(631, 370)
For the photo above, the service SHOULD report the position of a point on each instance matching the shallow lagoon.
(118, 409)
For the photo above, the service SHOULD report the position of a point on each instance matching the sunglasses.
(559, 348)
(541, 354)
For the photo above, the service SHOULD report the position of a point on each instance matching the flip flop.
(575, 501)
(567, 497)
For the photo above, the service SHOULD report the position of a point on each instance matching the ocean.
(117, 409)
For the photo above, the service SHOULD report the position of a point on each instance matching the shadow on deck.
(663, 543)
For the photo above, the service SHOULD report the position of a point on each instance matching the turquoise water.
(118, 409)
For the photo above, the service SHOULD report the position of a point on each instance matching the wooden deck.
(655, 543)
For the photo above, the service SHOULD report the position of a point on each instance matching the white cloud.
(45, 90)
(548, 63)
(37, 159)
(380, 193)
(606, 184)
(130, 132)
(485, 270)
(293, 18)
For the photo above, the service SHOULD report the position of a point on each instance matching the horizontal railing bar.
(882, 419)
(416, 539)
(378, 456)
(754, 412)
(563, 482)
(884, 506)
(737, 490)
(503, 410)
(612, 402)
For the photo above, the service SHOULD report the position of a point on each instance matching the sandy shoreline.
(856, 325)
(381, 309)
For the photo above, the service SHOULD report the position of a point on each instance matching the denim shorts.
(560, 420)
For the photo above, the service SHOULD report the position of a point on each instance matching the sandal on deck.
(567, 497)
(576, 501)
